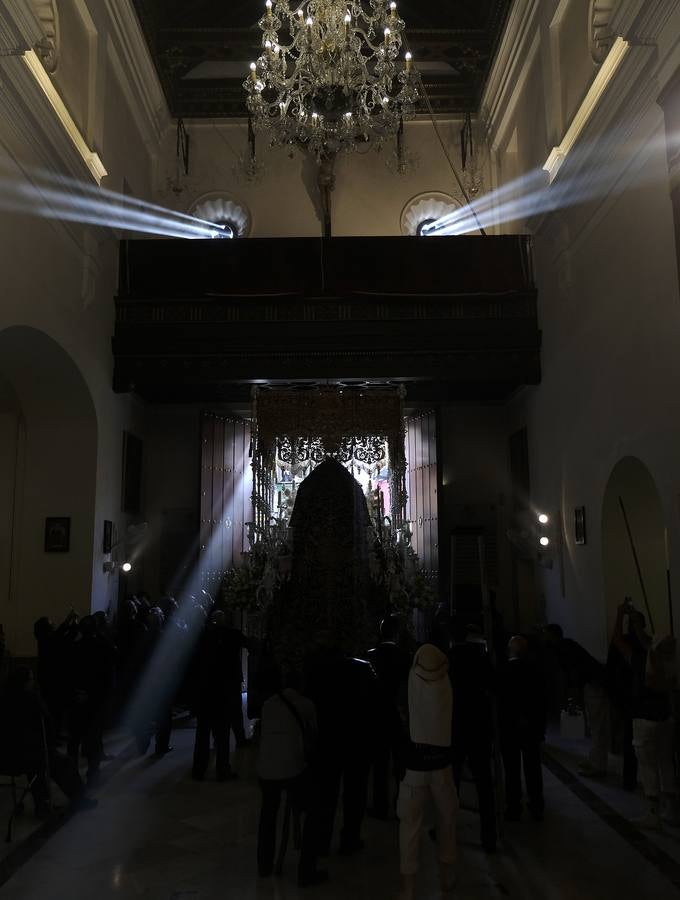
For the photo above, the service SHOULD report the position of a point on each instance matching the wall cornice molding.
(509, 63)
(19, 27)
(642, 20)
(136, 73)
(28, 114)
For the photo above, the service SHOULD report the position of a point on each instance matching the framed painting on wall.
(57, 534)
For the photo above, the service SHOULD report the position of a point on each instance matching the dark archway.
(48, 468)
(631, 483)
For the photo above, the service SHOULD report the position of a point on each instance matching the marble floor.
(157, 834)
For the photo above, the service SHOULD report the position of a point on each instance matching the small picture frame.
(580, 535)
(107, 541)
(57, 534)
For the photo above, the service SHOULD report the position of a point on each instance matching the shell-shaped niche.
(601, 34)
(223, 210)
(47, 13)
(425, 208)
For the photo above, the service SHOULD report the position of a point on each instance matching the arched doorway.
(632, 488)
(48, 466)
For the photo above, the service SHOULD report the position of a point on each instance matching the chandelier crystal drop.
(331, 75)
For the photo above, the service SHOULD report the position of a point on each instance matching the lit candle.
(253, 71)
(268, 4)
(409, 61)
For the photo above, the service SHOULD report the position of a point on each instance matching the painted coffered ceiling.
(202, 49)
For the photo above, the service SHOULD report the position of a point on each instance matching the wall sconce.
(110, 567)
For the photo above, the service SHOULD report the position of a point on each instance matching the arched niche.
(48, 466)
(632, 484)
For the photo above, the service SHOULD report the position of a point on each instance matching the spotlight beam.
(532, 194)
(52, 198)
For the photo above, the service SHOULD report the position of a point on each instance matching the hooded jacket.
(430, 710)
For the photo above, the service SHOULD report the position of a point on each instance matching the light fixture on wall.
(224, 211)
(330, 77)
(110, 567)
(425, 208)
(134, 536)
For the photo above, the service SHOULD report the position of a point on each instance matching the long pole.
(637, 565)
(488, 634)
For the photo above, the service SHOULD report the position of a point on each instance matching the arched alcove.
(631, 487)
(48, 466)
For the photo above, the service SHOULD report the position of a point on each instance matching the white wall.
(368, 197)
(60, 280)
(609, 304)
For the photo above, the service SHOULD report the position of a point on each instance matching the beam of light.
(165, 669)
(598, 173)
(51, 197)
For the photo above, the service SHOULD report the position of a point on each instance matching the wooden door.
(226, 495)
(421, 488)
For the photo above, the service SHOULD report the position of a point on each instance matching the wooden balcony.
(202, 320)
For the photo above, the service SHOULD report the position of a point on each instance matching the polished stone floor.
(157, 834)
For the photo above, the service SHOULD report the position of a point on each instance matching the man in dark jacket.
(217, 679)
(522, 708)
(54, 649)
(391, 665)
(344, 692)
(587, 683)
(93, 677)
(473, 683)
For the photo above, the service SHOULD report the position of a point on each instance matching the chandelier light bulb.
(544, 542)
(126, 567)
(388, 32)
(253, 71)
(393, 9)
(310, 21)
(409, 60)
(268, 4)
(543, 519)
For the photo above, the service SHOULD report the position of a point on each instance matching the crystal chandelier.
(330, 76)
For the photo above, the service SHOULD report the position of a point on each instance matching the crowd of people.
(398, 727)
(91, 675)
(416, 716)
